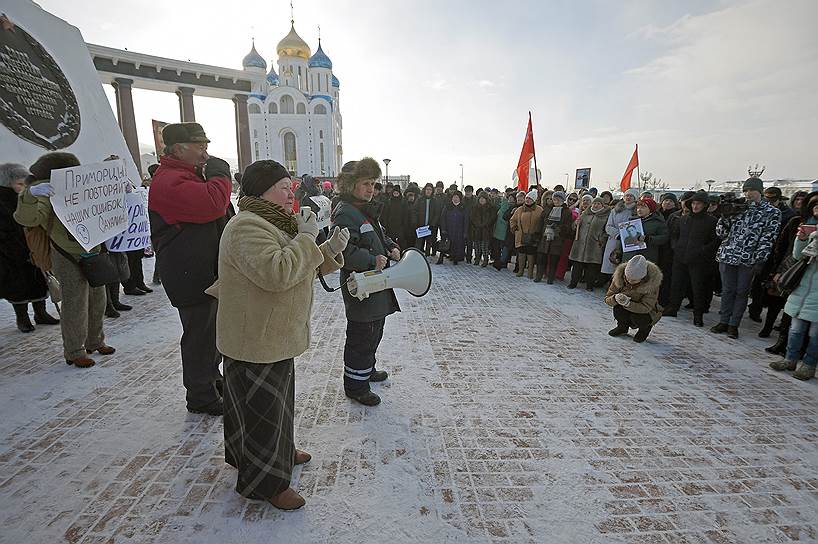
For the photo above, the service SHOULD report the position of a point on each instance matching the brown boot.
(521, 259)
(102, 350)
(80, 362)
(302, 457)
(531, 262)
(289, 499)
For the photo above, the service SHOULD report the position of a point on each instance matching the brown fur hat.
(354, 171)
(42, 167)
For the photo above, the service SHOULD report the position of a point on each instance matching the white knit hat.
(533, 194)
(637, 268)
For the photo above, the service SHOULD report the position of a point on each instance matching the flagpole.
(638, 174)
(536, 170)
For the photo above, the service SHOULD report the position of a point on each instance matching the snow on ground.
(509, 416)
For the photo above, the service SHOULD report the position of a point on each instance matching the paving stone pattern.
(509, 416)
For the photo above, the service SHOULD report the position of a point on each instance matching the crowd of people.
(229, 274)
(693, 247)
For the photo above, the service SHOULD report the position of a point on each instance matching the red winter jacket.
(180, 195)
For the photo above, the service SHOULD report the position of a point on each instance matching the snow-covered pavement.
(509, 416)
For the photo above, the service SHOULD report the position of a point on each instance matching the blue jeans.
(798, 329)
(736, 281)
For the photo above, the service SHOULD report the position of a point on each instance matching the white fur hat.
(532, 194)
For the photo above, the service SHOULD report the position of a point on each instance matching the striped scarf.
(273, 213)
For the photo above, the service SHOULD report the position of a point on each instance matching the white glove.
(42, 189)
(337, 242)
(307, 222)
(622, 299)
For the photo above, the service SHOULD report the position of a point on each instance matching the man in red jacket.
(188, 205)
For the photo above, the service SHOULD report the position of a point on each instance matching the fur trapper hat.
(354, 171)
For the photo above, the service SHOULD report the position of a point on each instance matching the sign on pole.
(138, 235)
(583, 179)
(90, 200)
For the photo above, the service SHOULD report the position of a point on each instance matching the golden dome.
(293, 46)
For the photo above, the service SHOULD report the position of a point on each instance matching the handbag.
(54, 287)
(99, 269)
(792, 276)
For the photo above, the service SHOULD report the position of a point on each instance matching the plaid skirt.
(258, 425)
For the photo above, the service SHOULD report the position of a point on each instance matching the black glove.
(216, 167)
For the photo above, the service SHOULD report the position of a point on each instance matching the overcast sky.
(705, 87)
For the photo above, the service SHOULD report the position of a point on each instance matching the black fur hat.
(42, 167)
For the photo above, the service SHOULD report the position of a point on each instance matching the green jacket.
(35, 211)
(501, 226)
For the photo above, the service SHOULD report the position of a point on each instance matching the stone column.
(127, 118)
(186, 113)
(242, 131)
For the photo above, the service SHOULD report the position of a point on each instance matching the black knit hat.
(260, 176)
(753, 184)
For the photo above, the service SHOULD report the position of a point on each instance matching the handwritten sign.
(90, 201)
(138, 235)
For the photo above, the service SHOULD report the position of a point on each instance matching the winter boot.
(780, 347)
(783, 364)
(669, 312)
(804, 371)
(80, 362)
(378, 376)
(642, 334)
(552, 272)
(521, 259)
(102, 350)
(538, 274)
(289, 499)
(531, 262)
(23, 321)
(215, 408)
(145, 288)
(485, 262)
(619, 330)
(110, 311)
(698, 320)
(769, 323)
(118, 306)
(732, 332)
(41, 317)
(440, 259)
(720, 328)
(365, 397)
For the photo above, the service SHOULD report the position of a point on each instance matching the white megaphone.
(412, 273)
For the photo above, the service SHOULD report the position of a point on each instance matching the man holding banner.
(188, 208)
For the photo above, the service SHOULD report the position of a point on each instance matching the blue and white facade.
(294, 110)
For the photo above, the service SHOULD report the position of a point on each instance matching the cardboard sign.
(138, 235)
(632, 235)
(324, 209)
(90, 200)
(423, 232)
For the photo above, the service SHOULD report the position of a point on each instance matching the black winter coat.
(395, 218)
(366, 241)
(435, 207)
(454, 225)
(562, 230)
(481, 220)
(20, 280)
(694, 238)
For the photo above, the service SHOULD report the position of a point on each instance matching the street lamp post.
(566, 180)
(386, 162)
(461, 176)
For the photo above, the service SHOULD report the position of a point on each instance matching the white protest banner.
(90, 200)
(324, 209)
(138, 235)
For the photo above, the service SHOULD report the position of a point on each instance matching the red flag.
(625, 184)
(525, 157)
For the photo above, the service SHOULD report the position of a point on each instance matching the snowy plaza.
(509, 416)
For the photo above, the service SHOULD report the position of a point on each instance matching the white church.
(295, 115)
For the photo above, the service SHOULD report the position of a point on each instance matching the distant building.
(294, 114)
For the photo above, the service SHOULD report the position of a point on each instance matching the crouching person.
(634, 295)
(267, 265)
